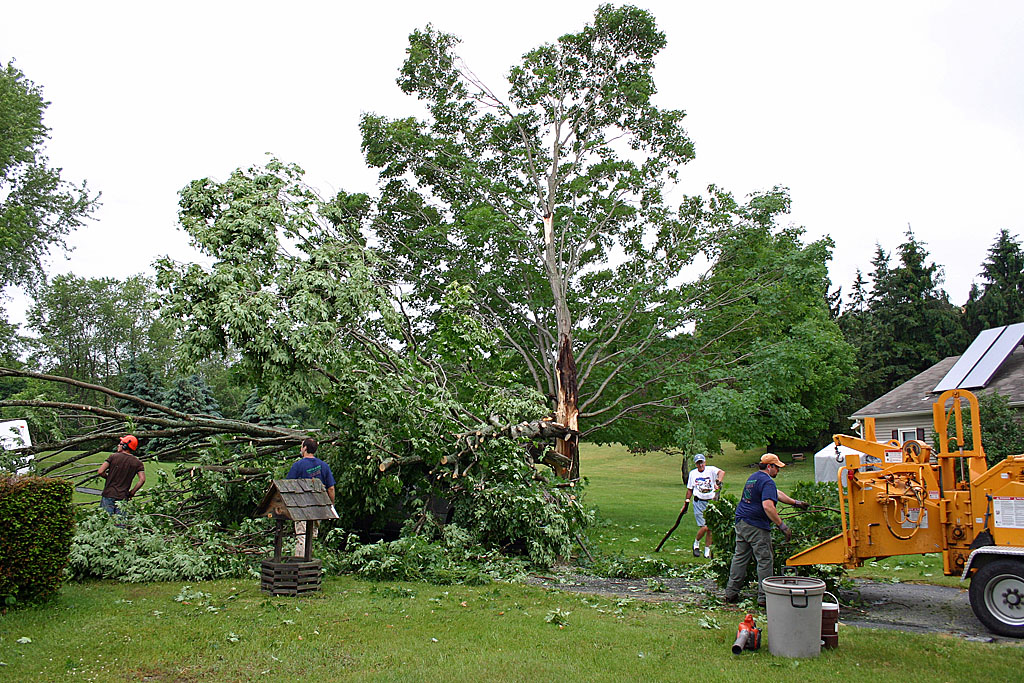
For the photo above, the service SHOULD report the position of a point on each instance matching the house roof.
(915, 396)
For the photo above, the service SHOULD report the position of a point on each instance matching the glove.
(787, 531)
(802, 504)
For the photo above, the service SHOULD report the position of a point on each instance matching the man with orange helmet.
(119, 470)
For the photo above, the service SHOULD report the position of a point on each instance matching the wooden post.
(278, 539)
(307, 553)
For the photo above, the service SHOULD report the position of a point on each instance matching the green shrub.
(1002, 429)
(809, 528)
(37, 523)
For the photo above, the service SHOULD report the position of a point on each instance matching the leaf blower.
(748, 636)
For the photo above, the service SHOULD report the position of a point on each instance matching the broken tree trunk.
(567, 411)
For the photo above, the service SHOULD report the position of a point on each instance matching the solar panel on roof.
(1008, 340)
(967, 362)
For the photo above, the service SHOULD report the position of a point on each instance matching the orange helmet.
(130, 442)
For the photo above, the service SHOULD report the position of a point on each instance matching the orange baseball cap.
(772, 459)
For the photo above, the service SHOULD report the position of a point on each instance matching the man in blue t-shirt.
(754, 516)
(310, 467)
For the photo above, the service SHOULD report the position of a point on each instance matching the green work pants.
(750, 540)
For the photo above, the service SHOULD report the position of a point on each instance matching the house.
(993, 362)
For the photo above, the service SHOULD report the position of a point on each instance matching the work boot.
(696, 549)
(732, 599)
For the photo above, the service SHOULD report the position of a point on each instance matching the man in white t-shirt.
(703, 485)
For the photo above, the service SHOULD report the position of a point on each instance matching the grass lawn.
(639, 497)
(354, 630)
(357, 630)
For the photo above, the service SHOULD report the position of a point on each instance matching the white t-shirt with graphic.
(703, 483)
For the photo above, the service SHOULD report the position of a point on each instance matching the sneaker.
(696, 551)
(707, 552)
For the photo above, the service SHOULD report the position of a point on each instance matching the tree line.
(901, 321)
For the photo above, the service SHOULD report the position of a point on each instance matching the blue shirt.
(312, 468)
(759, 488)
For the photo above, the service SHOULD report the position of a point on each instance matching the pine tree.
(192, 395)
(141, 379)
(258, 411)
(1000, 299)
(912, 325)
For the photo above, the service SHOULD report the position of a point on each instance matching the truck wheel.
(997, 597)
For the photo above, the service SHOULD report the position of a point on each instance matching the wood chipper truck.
(909, 499)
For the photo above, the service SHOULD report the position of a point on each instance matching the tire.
(997, 596)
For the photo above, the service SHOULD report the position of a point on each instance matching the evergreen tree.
(142, 379)
(192, 395)
(911, 324)
(259, 411)
(855, 323)
(1000, 299)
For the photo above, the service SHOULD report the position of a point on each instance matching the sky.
(878, 116)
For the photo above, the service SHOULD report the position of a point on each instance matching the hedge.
(37, 522)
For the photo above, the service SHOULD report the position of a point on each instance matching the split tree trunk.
(567, 410)
(566, 391)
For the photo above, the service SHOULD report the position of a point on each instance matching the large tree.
(92, 329)
(294, 293)
(550, 199)
(1000, 298)
(38, 208)
(774, 365)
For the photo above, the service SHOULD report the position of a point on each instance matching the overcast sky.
(877, 115)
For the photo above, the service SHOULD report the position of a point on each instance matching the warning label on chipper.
(916, 518)
(1008, 512)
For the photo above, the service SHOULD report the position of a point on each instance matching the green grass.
(357, 630)
(638, 499)
(354, 630)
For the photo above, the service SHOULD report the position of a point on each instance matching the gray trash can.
(794, 615)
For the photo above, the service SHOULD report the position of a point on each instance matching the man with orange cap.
(754, 516)
(119, 470)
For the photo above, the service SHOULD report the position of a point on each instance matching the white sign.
(894, 457)
(14, 435)
(1008, 512)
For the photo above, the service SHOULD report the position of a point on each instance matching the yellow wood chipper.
(908, 499)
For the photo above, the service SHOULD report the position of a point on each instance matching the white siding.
(884, 426)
